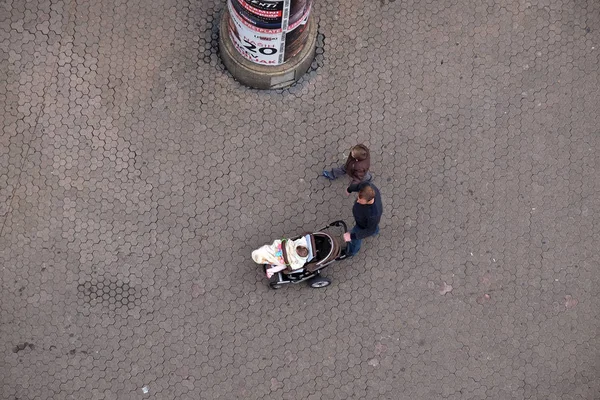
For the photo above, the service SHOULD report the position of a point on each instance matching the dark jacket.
(357, 170)
(367, 216)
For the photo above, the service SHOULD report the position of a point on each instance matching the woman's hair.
(302, 251)
(359, 152)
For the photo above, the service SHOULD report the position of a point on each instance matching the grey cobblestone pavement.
(136, 176)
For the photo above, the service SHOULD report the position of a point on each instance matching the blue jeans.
(353, 246)
(341, 171)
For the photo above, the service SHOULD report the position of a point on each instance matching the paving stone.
(136, 176)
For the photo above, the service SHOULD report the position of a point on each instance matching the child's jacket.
(357, 170)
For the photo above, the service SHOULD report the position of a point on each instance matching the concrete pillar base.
(262, 76)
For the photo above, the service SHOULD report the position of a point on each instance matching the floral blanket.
(272, 254)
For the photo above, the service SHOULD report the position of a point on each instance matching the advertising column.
(266, 35)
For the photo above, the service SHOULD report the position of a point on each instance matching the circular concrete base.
(263, 76)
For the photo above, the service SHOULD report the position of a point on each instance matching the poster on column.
(262, 14)
(257, 44)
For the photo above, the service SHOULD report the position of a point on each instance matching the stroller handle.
(339, 223)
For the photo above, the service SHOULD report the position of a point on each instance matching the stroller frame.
(311, 271)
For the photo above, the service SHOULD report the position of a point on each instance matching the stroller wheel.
(319, 282)
(275, 285)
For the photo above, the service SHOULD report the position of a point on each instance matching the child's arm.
(356, 188)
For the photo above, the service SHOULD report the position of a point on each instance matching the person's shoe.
(328, 175)
(343, 255)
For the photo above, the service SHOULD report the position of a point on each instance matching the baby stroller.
(325, 249)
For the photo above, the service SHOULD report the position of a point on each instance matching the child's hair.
(359, 152)
(302, 251)
(366, 193)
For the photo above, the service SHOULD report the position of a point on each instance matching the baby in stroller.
(284, 254)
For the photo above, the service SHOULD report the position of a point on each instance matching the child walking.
(356, 167)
